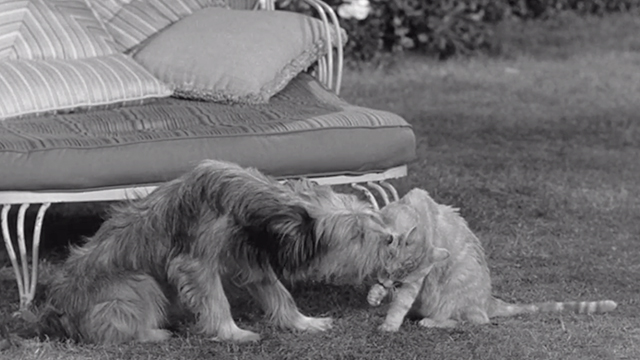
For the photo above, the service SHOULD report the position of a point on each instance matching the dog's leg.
(200, 289)
(132, 309)
(280, 307)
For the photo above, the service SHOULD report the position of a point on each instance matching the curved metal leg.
(36, 249)
(24, 262)
(340, 54)
(26, 282)
(392, 190)
(381, 191)
(326, 65)
(368, 194)
(380, 188)
(10, 251)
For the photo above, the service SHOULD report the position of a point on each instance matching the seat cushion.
(305, 130)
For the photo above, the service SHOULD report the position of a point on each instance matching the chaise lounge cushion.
(305, 130)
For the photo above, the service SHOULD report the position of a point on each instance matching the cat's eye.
(389, 239)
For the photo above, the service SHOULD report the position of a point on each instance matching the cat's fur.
(443, 271)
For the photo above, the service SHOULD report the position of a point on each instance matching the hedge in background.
(441, 28)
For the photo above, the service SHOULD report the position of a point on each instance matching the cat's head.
(411, 253)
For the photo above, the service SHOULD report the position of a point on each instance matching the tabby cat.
(442, 271)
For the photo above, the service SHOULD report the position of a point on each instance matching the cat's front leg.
(400, 306)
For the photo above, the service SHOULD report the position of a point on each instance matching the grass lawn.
(540, 150)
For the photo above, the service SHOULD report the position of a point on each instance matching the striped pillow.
(130, 22)
(45, 29)
(29, 87)
(55, 55)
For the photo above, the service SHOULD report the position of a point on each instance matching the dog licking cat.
(191, 239)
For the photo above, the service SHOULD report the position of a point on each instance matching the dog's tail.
(274, 218)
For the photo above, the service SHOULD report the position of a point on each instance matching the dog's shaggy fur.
(218, 226)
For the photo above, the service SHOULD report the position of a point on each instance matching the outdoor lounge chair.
(305, 130)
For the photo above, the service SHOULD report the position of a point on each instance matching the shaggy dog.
(218, 226)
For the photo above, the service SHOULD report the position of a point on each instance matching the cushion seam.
(408, 126)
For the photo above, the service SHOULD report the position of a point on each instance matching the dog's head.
(352, 234)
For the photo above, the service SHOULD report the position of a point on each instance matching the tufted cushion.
(305, 130)
(130, 22)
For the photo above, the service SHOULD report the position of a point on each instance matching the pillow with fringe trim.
(233, 56)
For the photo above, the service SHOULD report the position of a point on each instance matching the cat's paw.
(376, 294)
(386, 327)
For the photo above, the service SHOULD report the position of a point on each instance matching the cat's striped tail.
(501, 308)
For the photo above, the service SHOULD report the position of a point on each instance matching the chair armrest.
(330, 66)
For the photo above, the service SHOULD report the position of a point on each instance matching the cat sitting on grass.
(443, 273)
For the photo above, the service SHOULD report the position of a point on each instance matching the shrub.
(443, 28)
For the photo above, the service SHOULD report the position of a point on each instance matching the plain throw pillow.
(233, 56)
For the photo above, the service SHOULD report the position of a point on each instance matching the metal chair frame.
(329, 72)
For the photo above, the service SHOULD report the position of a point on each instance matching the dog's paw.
(321, 324)
(430, 323)
(239, 336)
(155, 335)
(311, 324)
(386, 327)
(246, 336)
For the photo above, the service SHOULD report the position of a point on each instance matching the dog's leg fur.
(200, 289)
(219, 222)
(132, 309)
(279, 306)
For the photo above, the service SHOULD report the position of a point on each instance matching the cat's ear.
(439, 254)
(411, 231)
